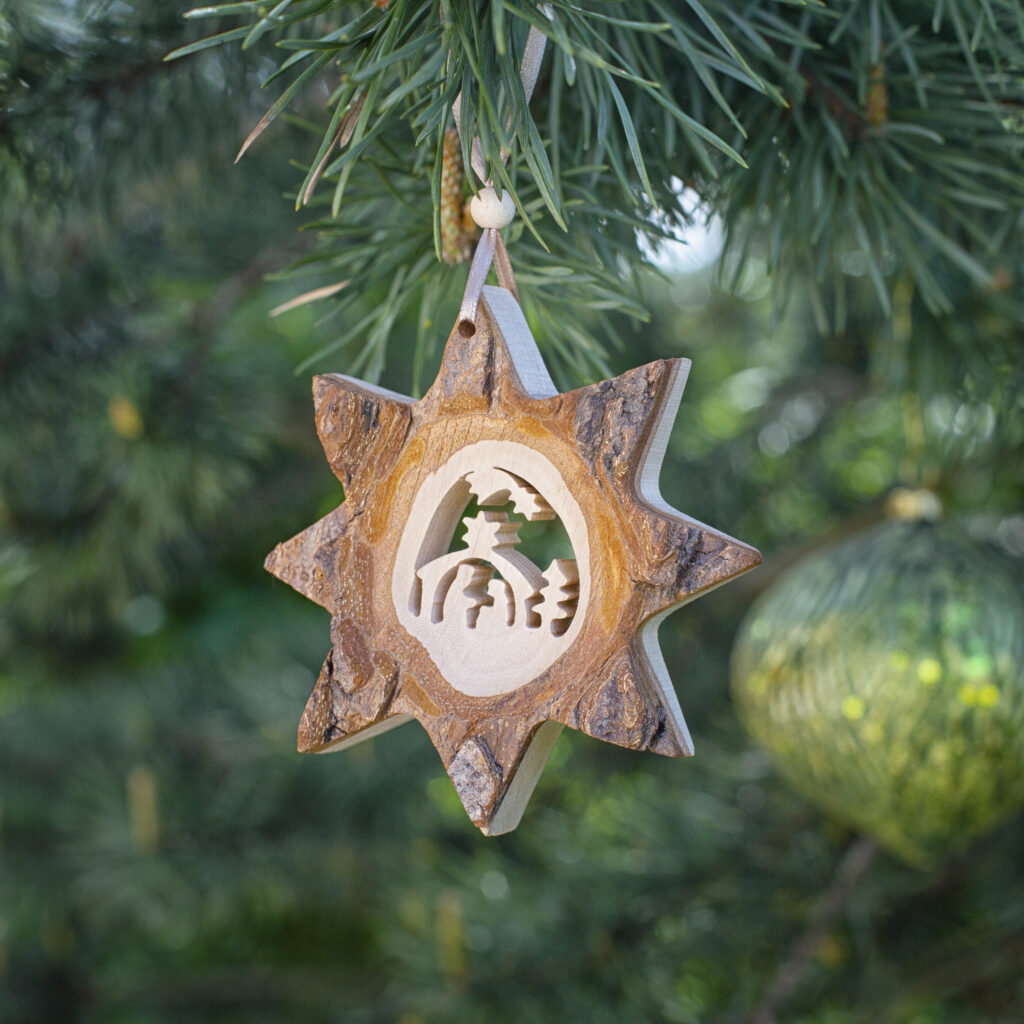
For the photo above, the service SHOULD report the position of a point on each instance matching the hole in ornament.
(467, 328)
(490, 575)
(541, 541)
(486, 576)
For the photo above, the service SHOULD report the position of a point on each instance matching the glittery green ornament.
(885, 678)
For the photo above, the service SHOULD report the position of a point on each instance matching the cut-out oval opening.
(492, 573)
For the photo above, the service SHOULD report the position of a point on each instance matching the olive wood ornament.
(491, 654)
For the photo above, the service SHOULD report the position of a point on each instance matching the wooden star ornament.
(492, 654)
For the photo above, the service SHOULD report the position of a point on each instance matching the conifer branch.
(883, 136)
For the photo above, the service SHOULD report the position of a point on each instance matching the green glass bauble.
(885, 678)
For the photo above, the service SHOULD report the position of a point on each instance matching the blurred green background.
(165, 855)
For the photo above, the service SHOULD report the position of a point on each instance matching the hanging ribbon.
(490, 211)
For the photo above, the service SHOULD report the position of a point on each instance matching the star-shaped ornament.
(492, 654)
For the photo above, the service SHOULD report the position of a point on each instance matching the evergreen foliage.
(886, 140)
(164, 854)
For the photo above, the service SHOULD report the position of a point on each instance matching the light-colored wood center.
(490, 619)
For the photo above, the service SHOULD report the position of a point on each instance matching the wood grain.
(604, 444)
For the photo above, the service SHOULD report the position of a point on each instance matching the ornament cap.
(913, 504)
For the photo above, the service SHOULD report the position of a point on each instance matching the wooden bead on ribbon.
(492, 210)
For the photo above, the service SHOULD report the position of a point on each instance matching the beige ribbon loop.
(478, 269)
(491, 247)
(503, 267)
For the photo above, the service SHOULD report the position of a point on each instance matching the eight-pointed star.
(606, 443)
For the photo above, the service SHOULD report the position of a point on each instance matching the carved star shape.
(644, 559)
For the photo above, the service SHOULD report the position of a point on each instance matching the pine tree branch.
(858, 858)
(878, 138)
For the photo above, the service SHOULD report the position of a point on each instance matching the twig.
(855, 862)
